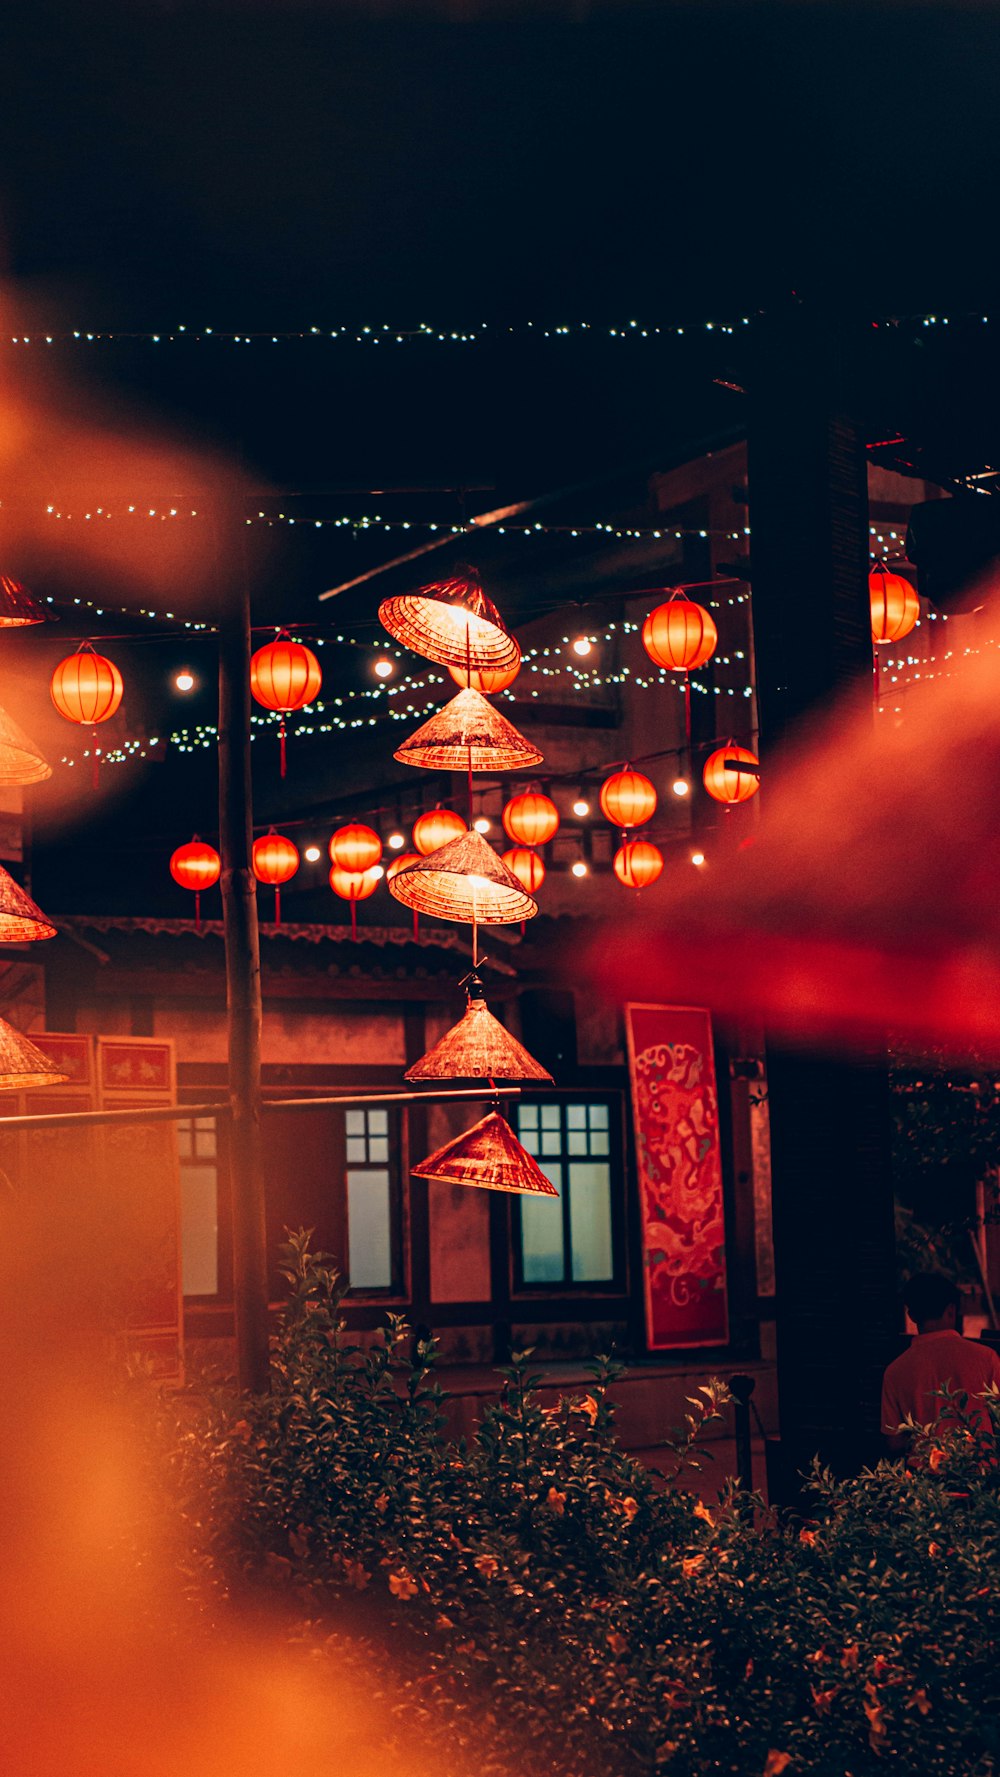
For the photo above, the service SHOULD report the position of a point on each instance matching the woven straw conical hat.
(452, 622)
(467, 881)
(20, 920)
(477, 1048)
(20, 760)
(468, 734)
(488, 1155)
(21, 1064)
(17, 607)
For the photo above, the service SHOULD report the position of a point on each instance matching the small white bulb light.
(582, 646)
(396, 841)
(378, 870)
(384, 668)
(579, 868)
(680, 786)
(312, 854)
(581, 807)
(184, 680)
(482, 825)
(697, 858)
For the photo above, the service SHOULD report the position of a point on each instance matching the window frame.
(396, 1143)
(568, 1286)
(219, 1163)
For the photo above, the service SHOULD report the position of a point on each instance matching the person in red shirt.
(937, 1358)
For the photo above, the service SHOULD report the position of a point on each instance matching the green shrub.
(598, 1621)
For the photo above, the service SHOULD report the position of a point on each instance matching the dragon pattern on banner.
(676, 1114)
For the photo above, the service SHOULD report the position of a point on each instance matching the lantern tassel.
(687, 710)
(416, 925)
(197, 910)
(277, 905)
(281, 744)
(354, 921)
(95, 764)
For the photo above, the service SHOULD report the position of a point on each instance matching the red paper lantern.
(628, 799)
(355, 847)
(436, 828)
(87, 689)
(731, 774)
(487, 679)
(275, 860)
(355, 886)
(285, 676)
(531, 818)
(527, 866)
(894, 603)
(637, 863)
(679, 635)
(196, 866)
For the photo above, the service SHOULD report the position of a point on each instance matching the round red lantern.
(285, 676)
(355, 847)
(487, 679)
(628, 798)
(531, 818)
(275, 860)
(436, 828)
(196, 866)
(401, 862)
(87, 689)
(680, 635)
(527, 866)
(355, 886)
(637, 863)
(731, 774)
(894, 604)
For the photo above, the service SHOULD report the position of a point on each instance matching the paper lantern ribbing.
(527, 866)
(22, 1064)
(488, 679)
(628, 798)
(21, 922)
(355, 886)
(86, 688)
(20, 761)
(894, 604)
(488, 1155)
(468, 734)
(464, 880)
(679, 635)
(17, 607)
(275, 860)
(285, 676)
(531, 818)
(436, 828)
(355, 847)
(478, 1047)
(731, 774)
(637, 863)
(196, 866)
(452, 622)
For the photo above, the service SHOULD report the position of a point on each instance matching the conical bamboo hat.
(464, 880)
(468, 734)
(20, 920)
(488, 1155)
(21, 1064)
(452, 622)
(20, 760)
(477, 1048)
(17, 607)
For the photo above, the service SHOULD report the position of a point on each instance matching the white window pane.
(527, 1116)
(598, 1116)
(529, 1139)
(551, 1141)
(542, 1233)
(369, 1241)
(576, 1116)
(355, 1122)
(357, 1149)
(590, 1221)
(184, 1140)
(199, 1231)
(550, 1116)
(576, 1141)
(204, 1141)
(378, 1122)
(378, 1149)
(600, 1142)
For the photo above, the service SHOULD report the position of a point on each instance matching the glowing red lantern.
(731, 774)
(527, 866)
(355, 847)
(487, 679)
(87, 689)
(436, 828)
(531, 818)
(285, 676)
(637, 863)
(894, 603)
(196, 866)
(355, 886)
(628, 798)
(275, 860)
(679, 636)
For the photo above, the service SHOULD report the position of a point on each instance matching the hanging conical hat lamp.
(477, 1048)
(17, 607)
(20, 760)
(489, 1155)
(452, 622)
(22, 1065)
(464, 880)
(468, 734)
(20, 920)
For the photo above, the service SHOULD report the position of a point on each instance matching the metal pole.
(177, 1113)
(243, 994)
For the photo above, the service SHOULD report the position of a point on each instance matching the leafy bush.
(597, 1621)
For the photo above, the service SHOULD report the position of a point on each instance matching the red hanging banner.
(675, 1109)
